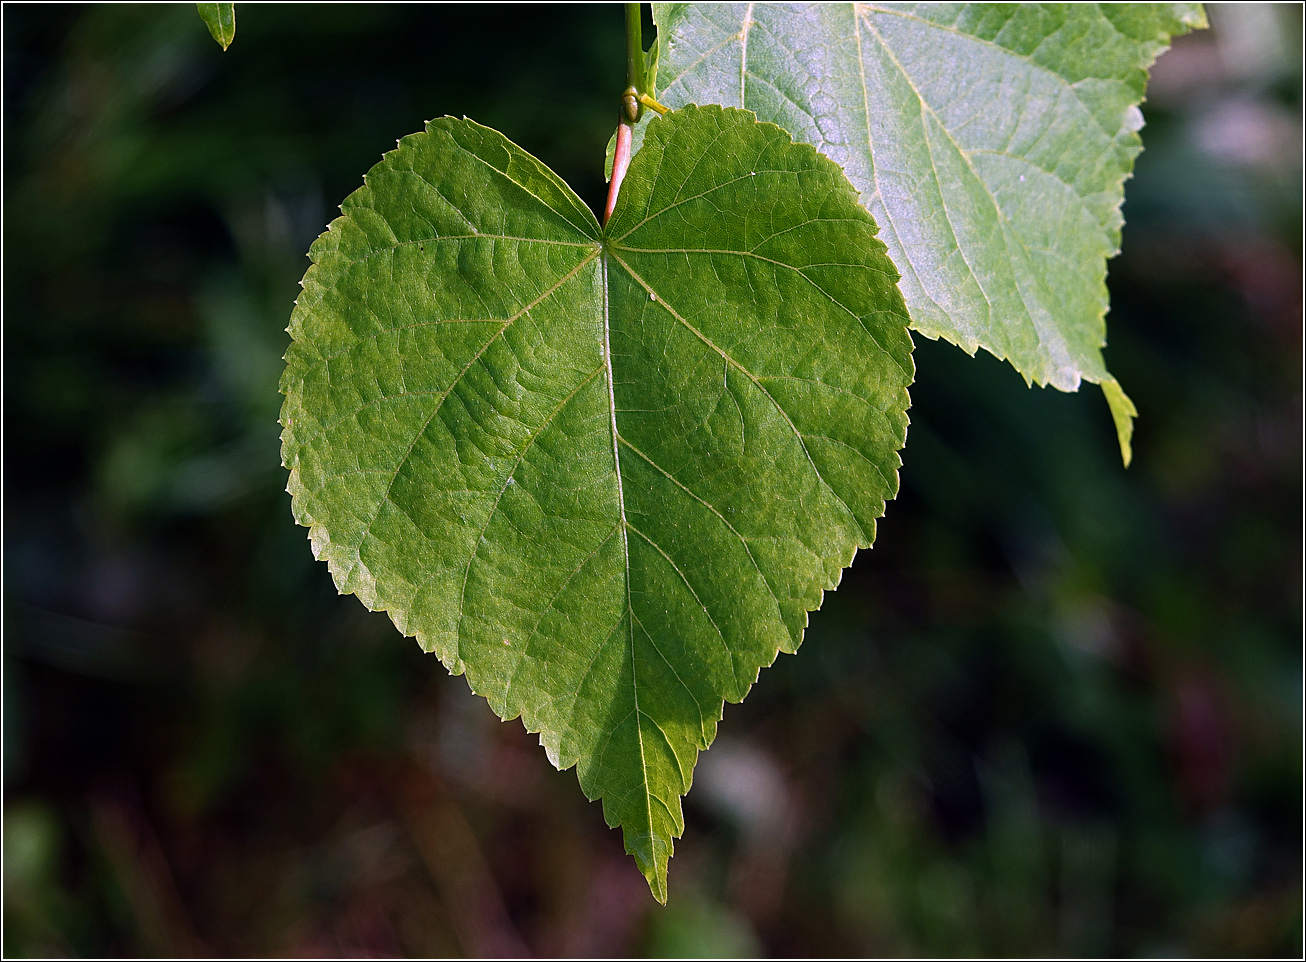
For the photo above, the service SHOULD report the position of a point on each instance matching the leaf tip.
(657, 882)
(652, 853)
(220, 18)
(1123, 413)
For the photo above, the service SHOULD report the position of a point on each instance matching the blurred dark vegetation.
(1056, 710)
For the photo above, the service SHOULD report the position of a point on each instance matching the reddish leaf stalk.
(620, 161)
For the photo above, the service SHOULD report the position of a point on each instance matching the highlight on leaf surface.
(990, 141)
(220, 18)
(606, 473)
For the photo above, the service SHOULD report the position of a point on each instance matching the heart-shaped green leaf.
(990, 141)
(605, 472)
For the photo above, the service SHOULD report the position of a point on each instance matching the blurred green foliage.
(1055, 710)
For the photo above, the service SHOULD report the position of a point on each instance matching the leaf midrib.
(625, 547)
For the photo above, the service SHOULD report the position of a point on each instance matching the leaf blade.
(605, 474)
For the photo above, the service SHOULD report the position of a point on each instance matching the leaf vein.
(749, 374)
(367, 528)
(526, 647)
(494, 509)
(742, 540)
(725, 645)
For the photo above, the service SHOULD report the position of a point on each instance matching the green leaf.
(220, 18)
(606, 473)
(990, 141)
(1123, 413)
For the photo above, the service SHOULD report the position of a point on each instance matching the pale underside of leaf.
(606, 474)
(991, 142)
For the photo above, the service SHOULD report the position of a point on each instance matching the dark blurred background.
(1056, 710)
